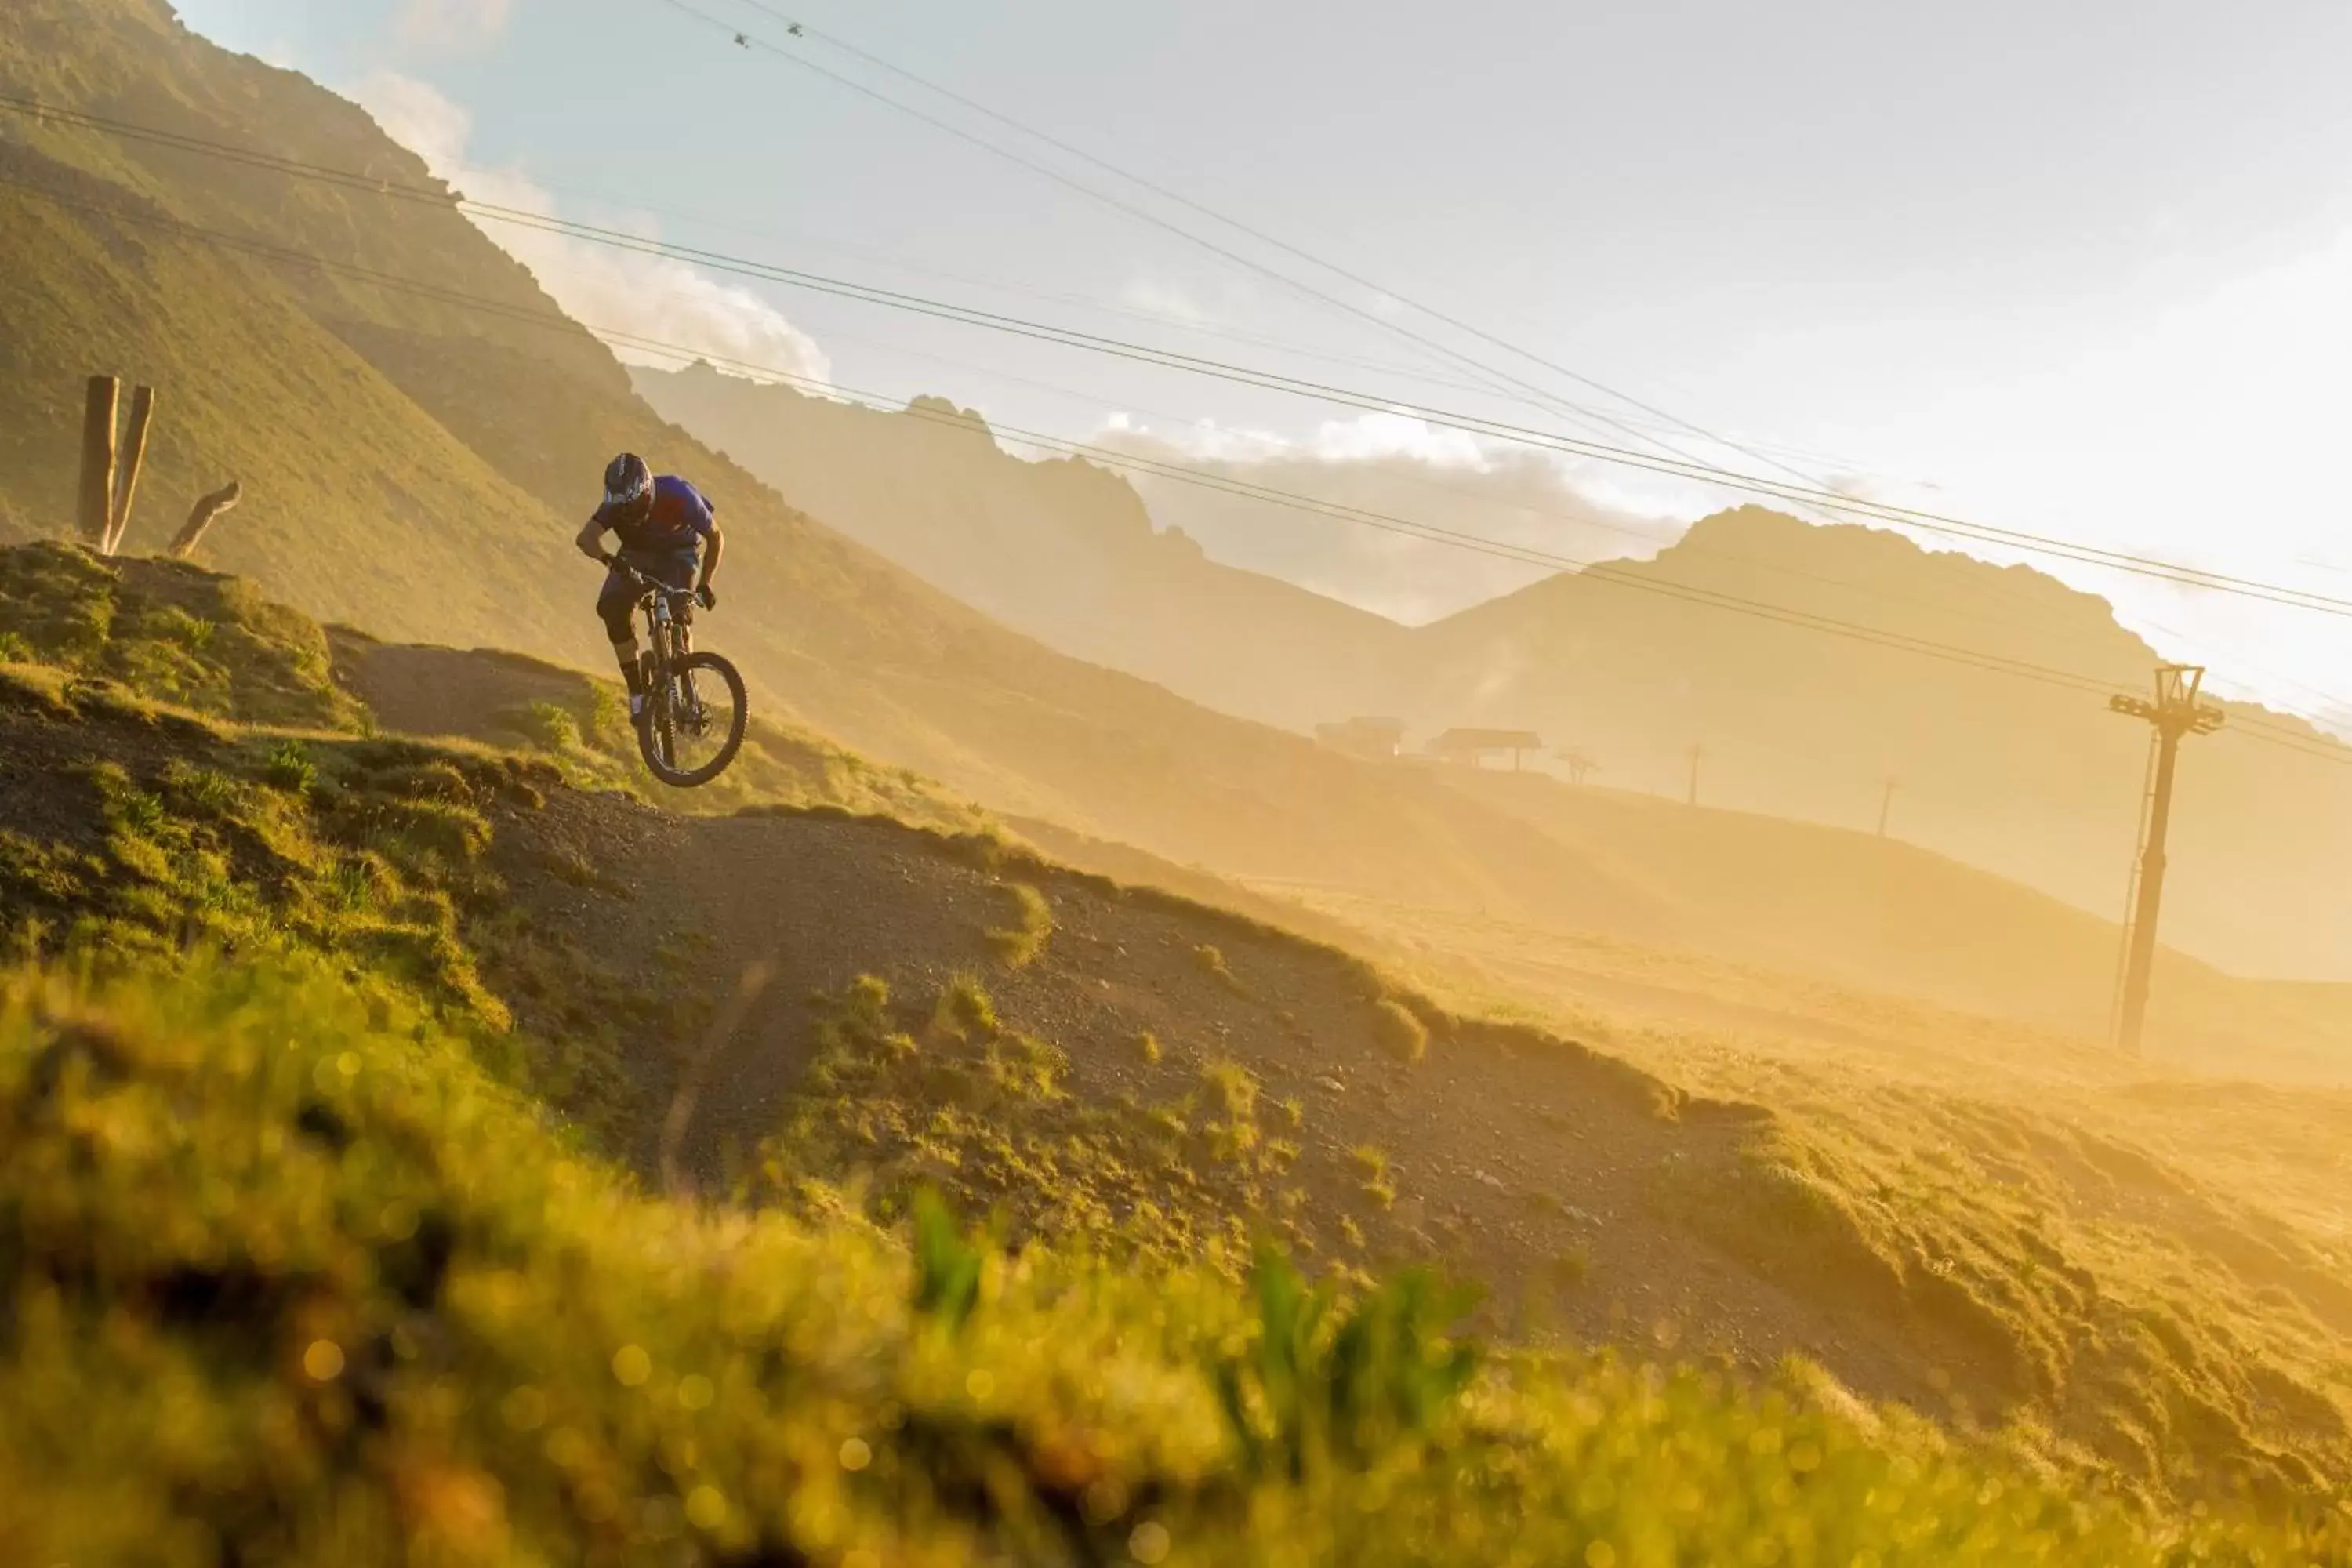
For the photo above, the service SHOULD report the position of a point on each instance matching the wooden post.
(133, 458)
(221, 500)
(97, 459)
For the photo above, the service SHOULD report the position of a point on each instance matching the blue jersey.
(680, 518)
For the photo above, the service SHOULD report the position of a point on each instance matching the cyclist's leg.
(616, 606)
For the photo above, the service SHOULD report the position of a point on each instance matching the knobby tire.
(657, 736)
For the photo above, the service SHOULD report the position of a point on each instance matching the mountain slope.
(1870, 915)
(1644, 887)
(414, 466)
(253, 388)
(1791, 903)
(1061, 549)
(2032, 781)
(2021, 777)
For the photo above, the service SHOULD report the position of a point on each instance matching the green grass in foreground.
(285, 1277)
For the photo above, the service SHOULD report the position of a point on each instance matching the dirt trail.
(1512, 1151)
(418, 690)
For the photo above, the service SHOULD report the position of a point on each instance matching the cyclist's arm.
(702, 521)
(591, 539)
(714, 542)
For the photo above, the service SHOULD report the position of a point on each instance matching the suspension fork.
(661, 635)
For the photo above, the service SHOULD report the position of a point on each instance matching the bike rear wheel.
(695, 720)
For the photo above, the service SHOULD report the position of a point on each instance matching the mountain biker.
(662, 525)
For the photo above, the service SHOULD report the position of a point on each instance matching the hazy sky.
(2086, 268)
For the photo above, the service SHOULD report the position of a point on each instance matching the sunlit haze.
(883, 784)
(2085, 273)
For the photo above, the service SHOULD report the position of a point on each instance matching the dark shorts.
(618, 602)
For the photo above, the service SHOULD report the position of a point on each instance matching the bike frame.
(670, 630)
(670, 633)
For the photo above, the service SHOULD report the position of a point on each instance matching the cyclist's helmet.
(628, 484)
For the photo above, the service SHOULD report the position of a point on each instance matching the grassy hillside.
(2141, 1243)
(1780, 899)
(515, 702)
(337, 1066)
(828, 1013)
(253, 389)
(303, 1232)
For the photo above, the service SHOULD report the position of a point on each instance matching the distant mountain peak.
(1869, 559)
(942, 410)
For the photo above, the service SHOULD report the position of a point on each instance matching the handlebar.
(644, 583)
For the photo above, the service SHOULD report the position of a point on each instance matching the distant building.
(1473, 747)
(1378, 739)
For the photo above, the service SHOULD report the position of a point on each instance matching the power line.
(442, 196)
(1191, 324)
(439, 197)
(1816, 493)
(1580, 519)
(801, 29)
(1596, 572)
(1587, 570)
(1544, 399)
(1934, 522)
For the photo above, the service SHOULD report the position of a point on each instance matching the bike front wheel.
(694, 725)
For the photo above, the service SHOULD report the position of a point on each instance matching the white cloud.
(1367, 437)
(1402, 470)
(617, 292)
(451, 26)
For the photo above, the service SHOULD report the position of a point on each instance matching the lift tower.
(2175, 713)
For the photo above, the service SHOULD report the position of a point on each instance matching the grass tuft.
(290, 768)
(948, 1265)
(966, 1010)
(1023, 942)
(1400, 1031)
(1211, 960)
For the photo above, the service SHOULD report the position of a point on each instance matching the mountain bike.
(695, 711)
